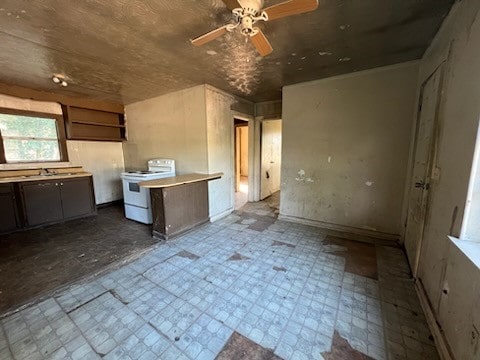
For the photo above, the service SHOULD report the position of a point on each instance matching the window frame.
(62, 140)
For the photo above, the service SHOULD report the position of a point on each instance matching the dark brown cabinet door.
(77, 197)
(8, 210)
(42, 202)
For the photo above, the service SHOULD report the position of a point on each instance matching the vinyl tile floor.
(245, 287)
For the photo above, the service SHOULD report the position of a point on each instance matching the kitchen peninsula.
(179, 203)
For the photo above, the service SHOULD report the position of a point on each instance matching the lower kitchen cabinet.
(42, 202)
(46, 202)
(8, 209)
(77, 197)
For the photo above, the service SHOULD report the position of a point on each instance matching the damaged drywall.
(345, 149)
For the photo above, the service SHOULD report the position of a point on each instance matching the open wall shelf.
(94, 125)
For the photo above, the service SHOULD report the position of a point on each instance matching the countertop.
(179, 180)
(14, 179)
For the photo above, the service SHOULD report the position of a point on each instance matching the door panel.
(42, 203)
(8, 219)
(271, 157)
(425, 142)
(76, 197)
(237, 158)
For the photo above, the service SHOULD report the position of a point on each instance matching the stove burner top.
(144, 172)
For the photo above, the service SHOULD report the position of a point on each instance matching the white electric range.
(137, 199)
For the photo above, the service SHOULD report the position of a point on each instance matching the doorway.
(241, 162)
(271, 160)
(423, 165)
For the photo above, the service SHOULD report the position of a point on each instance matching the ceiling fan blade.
(292, 7)
(261, 43)
(232, 4)
(212, 35)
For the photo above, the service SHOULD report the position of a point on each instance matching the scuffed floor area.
(246, 287)
(37, 261)
(241, 196)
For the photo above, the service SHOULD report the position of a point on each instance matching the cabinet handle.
(56, 184)
(61, 184)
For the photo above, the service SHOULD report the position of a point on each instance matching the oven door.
(135, 195)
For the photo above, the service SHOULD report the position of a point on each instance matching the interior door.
(425, 145)
(237, 158)
(271, 157)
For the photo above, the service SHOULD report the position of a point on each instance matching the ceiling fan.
(248, 12)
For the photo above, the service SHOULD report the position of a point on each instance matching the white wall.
(169, 126)
(441, 265)
(105, 161)
(220, 139)
(345, 149)
(271, 157)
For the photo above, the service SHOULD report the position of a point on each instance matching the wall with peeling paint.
(442, 266)
(168, 126)
(345, 149)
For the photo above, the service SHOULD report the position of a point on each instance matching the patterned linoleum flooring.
(246, 287)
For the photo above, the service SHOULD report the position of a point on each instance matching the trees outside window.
(31, 137)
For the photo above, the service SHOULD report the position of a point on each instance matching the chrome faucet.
(46, 172)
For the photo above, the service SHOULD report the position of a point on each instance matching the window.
(31, 137)
(471, 218)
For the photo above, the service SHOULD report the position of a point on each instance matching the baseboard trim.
(221, 215)
(438, 335)
(111, 203)
(341, 228)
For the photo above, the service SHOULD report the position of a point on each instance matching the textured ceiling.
(130, 50)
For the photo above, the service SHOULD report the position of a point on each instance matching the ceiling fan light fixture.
(246, 13)
(59, 80)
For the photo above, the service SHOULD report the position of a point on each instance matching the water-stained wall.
(450, 279)
(168, 126)
(345, 149)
